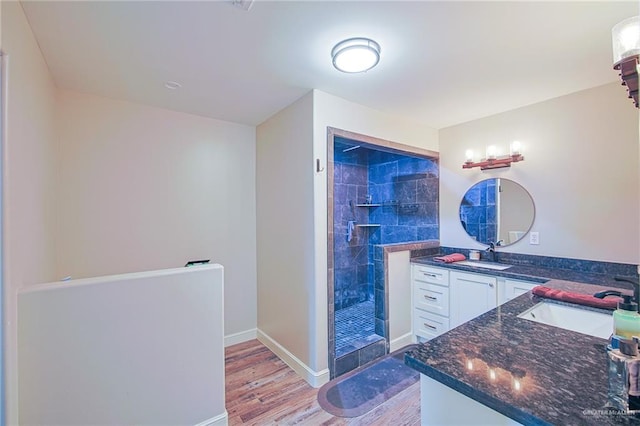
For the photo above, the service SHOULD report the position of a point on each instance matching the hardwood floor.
(263, 390)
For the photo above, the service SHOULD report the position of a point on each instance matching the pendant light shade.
(626, 55)
(356, 55)
(626, 39)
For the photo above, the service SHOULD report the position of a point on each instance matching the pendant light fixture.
(626, 54)
(355, 55)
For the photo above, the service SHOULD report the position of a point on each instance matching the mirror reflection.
(497, 210)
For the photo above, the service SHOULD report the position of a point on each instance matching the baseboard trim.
(241, 337)
(400, 342)
(314, 378)
(220, 420)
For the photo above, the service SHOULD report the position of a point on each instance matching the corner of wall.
(314, 378)
(284, 226)
(28, 175)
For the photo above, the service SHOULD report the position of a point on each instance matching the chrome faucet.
(636, 290)
(636, 286)
(492, 249)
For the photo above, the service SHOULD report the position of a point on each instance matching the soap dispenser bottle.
(626, 320)
(623, 370)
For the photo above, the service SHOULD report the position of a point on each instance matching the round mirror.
(497, 210)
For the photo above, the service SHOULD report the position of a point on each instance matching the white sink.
(486, 265)
(575, 319)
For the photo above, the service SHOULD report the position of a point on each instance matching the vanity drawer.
(431, 298)
(431, 275)
(428, 325)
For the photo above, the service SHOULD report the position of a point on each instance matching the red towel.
(454, 257)
(577, 298)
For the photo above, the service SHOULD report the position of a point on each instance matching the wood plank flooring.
(263, 390)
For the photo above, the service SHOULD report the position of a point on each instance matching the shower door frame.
(369, 142)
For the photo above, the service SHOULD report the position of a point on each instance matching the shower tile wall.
(351, 258)
(407, 188)
(478, 212)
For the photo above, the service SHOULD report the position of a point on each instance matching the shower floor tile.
(355, 327)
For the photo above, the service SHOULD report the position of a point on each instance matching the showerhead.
(351, 148)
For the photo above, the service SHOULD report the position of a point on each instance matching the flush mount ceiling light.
(355, 55)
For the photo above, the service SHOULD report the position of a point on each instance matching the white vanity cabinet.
(514, 288)
(471, 295)
(444, 298)
(430, 316)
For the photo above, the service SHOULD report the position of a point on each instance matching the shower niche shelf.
(368, 225)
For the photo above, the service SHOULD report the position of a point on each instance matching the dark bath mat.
(363, 389)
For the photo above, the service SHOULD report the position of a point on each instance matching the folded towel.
(577, 298)
(455, 257)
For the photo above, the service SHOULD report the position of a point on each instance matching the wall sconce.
(626, 50)
(493, 160)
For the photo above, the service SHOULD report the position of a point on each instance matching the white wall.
(142, 188)
(28, 177)
(284, 186)
(138, 188)
(130, 349)
(331, 111)
(581, 168)
(336, 112)
(292, 219)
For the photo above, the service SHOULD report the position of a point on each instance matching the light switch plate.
(534, 238)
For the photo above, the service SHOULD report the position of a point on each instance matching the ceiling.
(442, 62)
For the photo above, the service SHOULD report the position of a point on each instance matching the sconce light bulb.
(492, 151)
(469, 156)
(516, 148)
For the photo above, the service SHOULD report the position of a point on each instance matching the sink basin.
(486, 265)
(576, 319)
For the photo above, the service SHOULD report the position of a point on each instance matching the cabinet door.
(471, 295)
(514, 288)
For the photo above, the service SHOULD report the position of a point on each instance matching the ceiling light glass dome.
(356, 55)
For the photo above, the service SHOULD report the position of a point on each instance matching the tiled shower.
(379, 198)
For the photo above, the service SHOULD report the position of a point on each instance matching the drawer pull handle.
(490, 285)
(430, 326)
(430, 275)
(430, 297)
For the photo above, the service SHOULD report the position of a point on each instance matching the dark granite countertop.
(537, 274)
(562, 374)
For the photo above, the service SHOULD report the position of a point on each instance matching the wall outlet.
(534, 238)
